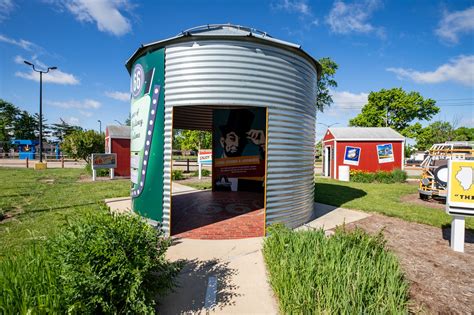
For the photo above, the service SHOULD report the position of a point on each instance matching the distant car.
(434, 179)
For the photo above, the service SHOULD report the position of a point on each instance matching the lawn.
(37, 203)
(380, 198)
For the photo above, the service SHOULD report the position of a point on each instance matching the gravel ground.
(441, 280)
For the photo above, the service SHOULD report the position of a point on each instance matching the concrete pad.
(119, 205)
(238, 265)
(328, 217)
(180, 189)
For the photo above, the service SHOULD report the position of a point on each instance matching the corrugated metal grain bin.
(224, 65)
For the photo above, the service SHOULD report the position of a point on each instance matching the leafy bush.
(113, 264)
(99, 264)
(81, 144)
(395, 176)
(348, 273)
(177, 175)
(204, 172)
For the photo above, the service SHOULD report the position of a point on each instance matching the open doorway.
(235, 205)
(327, 161)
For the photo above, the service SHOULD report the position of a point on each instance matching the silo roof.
(223, 31)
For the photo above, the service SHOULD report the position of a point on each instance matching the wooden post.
(27, 164)
(62, 161)
(187, 166)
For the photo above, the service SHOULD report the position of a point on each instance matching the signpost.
(460, 200)
(204, 157)
(103, 160)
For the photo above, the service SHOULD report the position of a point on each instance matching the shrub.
(348, 273)
(395, 176)
(112, 264)
(177, 175)
(100, 264)
(204, 172)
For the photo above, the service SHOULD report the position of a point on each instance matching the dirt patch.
(415, 199)
(441, 280)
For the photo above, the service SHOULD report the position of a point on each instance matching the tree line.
(16, 123)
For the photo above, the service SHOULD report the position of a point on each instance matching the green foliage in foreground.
(100, 264)
(395, 176)
(348, 273)
(39, 203)
(381, 198)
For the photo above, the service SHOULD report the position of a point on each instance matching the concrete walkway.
(229, 276)
(220, 277)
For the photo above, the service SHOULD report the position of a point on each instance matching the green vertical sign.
(147, 134)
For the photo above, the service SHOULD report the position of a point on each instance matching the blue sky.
(425, 46)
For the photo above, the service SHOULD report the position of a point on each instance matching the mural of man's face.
(232, 144)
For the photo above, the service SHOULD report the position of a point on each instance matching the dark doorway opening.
(234, 207)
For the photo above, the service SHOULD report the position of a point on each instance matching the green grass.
(39, 202)
(380, 198)
(204, 184)
(348, 273)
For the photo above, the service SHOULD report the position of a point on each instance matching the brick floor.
(217, 215)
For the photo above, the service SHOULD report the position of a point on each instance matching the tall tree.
(193, 140)
(62, 129)
(325, 83)
(25, 126)
(395, 108)
(8, 115)
(81, 144)
(464, 134)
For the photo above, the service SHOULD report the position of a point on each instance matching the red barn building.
(366, 149)
(117, 140)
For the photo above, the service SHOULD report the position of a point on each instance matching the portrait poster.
(239, 143)
(385, 153)
(352, 155)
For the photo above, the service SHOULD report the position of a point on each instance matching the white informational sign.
(104, 160)
(460, 199)
(205, 157)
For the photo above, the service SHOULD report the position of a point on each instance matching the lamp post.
(100, 126)
(118, 122)
(41, 105)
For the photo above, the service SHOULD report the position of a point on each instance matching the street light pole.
(41, 105)
(100, 126)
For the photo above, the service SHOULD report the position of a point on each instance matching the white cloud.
(119, 96)
(346, 101)
(26, 45)
(6, 7)
(353, 18)
(298, 6)
(107, 14)
(459, 69)
(73, 121)
(85, 113)
(19, 59)
(81, 105)
(455, 23)
(54, 76)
